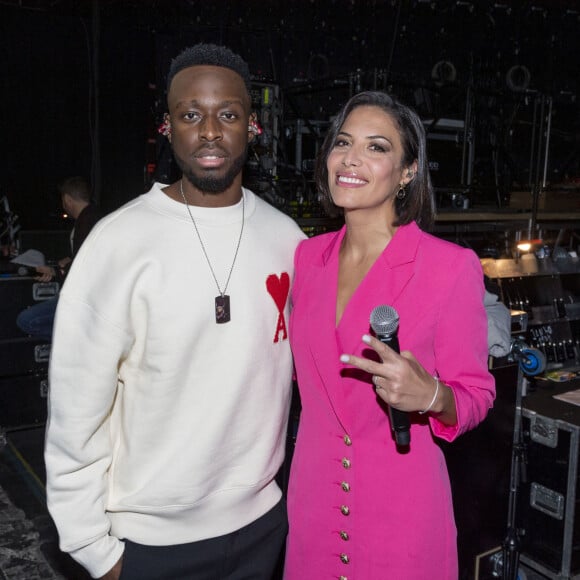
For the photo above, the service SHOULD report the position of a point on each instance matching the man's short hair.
(77, 187)
(212, 55)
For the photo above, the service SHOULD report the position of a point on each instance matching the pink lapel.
(322, 341)
(383, 285)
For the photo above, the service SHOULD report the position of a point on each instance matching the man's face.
(209, 109)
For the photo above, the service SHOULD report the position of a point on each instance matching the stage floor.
(28, 540)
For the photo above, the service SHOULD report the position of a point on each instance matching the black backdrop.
(62, 57)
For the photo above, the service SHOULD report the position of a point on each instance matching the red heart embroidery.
(279, 288)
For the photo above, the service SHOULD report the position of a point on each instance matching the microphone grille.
(384, 320)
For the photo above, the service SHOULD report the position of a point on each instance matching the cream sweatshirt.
(165, 427)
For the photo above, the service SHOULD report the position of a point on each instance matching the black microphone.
(385, 323)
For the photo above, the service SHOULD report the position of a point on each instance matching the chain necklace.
(222, 302)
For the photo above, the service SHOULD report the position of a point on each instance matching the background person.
(359, 506)
(75, 196)
(171, 368)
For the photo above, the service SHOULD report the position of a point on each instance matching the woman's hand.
(402, 382)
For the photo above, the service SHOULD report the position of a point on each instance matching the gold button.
(345, 486)
(344, 558)
(346, 463)
(344, 535)
(347, 440)
(345, 510)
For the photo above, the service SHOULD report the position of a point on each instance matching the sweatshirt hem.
(220, 515)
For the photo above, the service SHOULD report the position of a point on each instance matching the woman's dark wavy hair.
(419, 204)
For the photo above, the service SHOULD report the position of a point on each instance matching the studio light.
(518, 78)
(444, 71)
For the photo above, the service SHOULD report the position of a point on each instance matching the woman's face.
(365, 163)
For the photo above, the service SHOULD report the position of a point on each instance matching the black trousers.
(250, 553)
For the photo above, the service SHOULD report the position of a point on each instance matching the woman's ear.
(409, 173)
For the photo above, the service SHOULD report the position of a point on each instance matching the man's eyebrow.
(224, 103)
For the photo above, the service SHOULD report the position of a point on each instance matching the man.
(171, 370)
(75, 195)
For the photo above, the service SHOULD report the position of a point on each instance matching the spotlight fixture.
(524, 246)
(444, 71)
(526, 255)
(527, 245)
(518, 78)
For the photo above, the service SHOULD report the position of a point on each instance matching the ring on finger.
(376, 381)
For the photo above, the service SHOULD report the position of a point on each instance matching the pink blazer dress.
(358, 508)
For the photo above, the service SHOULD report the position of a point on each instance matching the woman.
(360, 506)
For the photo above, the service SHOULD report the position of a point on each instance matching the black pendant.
(222, 309)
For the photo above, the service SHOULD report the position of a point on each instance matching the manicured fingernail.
(366, 338)
(344, 358)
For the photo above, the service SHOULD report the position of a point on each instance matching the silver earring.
(402, 193)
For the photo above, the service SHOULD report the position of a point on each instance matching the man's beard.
(208, 183)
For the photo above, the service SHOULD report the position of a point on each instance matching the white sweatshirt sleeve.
(86, 354)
